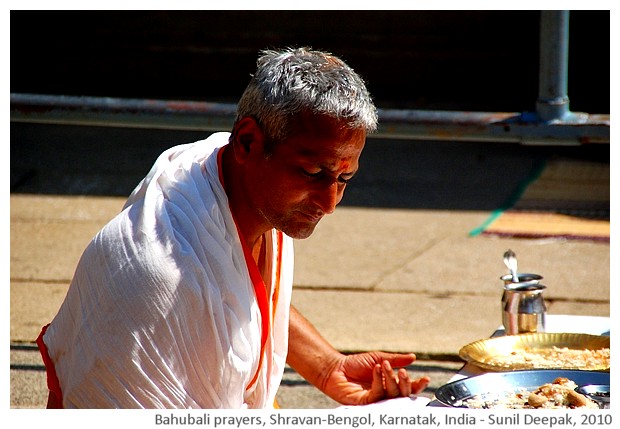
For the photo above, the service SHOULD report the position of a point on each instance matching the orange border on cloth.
(260, 290)
(54, 400)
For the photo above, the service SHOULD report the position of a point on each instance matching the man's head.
(295, 82)
(300, 130)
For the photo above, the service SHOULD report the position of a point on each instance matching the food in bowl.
(558, 394)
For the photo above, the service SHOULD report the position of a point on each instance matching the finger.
(391, 382)
(420, 384)
(377, 391)
(377, 381)
(404, 383)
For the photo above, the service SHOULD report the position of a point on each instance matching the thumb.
(399, 359)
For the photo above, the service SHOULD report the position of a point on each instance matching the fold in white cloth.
(162, 312)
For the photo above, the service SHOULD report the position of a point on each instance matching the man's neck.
(244, 214)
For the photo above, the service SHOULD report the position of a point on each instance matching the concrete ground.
(394, 268)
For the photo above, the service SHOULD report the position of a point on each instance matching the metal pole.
(553, 103)
(511, 127)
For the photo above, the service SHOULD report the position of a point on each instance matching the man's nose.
(328, 196)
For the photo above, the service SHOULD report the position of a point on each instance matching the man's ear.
(248, 139)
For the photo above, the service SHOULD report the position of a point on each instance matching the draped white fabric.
(161, 312)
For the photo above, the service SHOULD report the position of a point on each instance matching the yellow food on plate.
(554, 357)
(540, 351)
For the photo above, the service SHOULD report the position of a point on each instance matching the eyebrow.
(335, 170)
(309, 155)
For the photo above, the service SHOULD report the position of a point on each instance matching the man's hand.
(365, 378)
(355, 379)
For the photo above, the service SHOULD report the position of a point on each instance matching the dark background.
(461, 60)
(464, 60)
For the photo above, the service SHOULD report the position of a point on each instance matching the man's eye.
(343, 180)
(313, 174)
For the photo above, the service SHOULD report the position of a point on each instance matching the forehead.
(315, 136)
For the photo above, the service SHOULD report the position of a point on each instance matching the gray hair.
(294, 81)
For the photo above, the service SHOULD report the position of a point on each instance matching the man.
(183, 299)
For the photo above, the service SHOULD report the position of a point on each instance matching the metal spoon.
(510, 259)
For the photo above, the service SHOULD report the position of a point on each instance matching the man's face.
(304, 177)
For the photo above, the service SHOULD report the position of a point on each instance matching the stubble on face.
(292, 222)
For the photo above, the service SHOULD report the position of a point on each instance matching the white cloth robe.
(162, 312)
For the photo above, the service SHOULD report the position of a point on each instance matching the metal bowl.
(599, 393)
(497, 384)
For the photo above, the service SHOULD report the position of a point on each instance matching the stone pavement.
(405, 278)
(400, 280)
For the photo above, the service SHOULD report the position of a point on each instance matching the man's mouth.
(313, 217)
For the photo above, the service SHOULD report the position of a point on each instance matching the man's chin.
(299, 232)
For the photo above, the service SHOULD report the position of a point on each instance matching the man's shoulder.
(208, 144)
(215, 140)
(199, 149)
